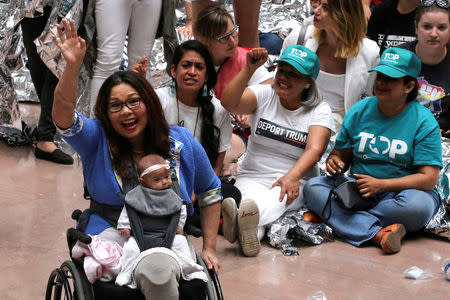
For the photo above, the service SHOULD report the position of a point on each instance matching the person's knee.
(311, 187)
(157, 269)
(418, 206)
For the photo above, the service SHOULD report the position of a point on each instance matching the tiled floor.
(38, 197)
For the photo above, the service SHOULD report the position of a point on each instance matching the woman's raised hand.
(256, 58)
(71, 45)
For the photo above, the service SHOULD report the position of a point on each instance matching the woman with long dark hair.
(130, 124)
(188, 102)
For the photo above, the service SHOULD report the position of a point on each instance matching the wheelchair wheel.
(65, 283)
(213, 288)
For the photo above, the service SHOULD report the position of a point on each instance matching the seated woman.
(130, 124)
(291, 127)
(338, 37)
(432, 47)
(396, 165)
(216, 29)
(188, 102)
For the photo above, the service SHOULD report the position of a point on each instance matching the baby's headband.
(155, 167)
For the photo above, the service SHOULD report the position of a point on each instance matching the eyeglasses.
(226, 37)
(440, 3)
(132, 104)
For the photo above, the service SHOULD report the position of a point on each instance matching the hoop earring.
(172, 86)
(205, 90)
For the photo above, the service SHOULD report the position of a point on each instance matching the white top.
(279, 136)
(189, 116)
(332, 87)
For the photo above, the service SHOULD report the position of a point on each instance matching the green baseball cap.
(397, 62)
(302, 59)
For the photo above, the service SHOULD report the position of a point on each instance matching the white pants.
(267, 199)
(114, 19)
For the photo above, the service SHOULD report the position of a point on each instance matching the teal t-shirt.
(390, 147)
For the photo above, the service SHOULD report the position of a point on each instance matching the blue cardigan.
(87, 138)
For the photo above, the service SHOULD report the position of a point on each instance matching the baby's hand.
(179, 230)
(125, 232)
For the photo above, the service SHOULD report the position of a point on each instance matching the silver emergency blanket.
(11, 12)
(290, 229)
(440, 223)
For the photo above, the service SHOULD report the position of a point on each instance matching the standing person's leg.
(112, 18)
(144, 22)
(31, 29)
(157, 276)
(246, 13)
(45, 83)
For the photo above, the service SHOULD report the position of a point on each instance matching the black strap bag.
(347, 195)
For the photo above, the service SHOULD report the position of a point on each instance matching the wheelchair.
(69, 282)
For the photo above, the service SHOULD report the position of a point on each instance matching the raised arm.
(235, 97)
(73, 49)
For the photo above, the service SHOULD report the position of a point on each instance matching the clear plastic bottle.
(446, 268)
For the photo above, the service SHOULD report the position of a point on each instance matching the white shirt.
(191, 117)
(279, 136)
(332, 88)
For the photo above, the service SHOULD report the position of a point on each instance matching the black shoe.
(57, 156)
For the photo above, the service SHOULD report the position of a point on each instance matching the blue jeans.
(412, 208)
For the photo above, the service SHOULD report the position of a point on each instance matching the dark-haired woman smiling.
(130, 124)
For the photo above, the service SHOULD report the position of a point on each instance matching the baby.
(154, 174)
(157, 205)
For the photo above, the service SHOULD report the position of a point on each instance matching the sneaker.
(229, 213)
(311, 217)
(390, 238)
(57, 156)
(248, 219)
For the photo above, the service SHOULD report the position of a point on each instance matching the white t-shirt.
(279, 136)
(189, 116)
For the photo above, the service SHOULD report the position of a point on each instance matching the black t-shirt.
(434, 87)
(386, 19)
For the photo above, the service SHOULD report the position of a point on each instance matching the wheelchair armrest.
(79, 236)
(76, 214)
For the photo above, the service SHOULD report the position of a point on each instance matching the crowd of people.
(348, 78)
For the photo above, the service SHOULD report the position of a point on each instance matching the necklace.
(138, 151)
(181, 123)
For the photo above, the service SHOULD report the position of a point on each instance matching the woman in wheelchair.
(130, 124)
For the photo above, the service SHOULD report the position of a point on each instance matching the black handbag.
(347, 195)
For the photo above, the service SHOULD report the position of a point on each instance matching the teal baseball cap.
(397, 62)
(302, 59)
